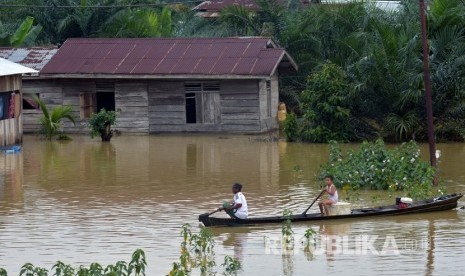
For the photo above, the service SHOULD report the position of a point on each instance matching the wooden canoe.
(445, 202)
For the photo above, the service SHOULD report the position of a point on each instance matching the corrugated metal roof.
(167, 56)
(34, 58)
(10, 68)
(212, 9)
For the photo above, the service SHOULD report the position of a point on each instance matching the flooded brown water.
(85, 201)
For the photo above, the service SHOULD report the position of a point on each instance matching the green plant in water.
(62, 269)
(95, 269)
(231, 265)
(119, 269)
(30, 270)
(373, 166)
(309, 236)
(201, 245)
(51, 122)
(136, 267)
(309, 242)
(286, 228)
(138, 263)
(100, 124)
(185, 256)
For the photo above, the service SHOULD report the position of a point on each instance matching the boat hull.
(442, 203)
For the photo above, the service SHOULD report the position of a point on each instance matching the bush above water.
(373, 166)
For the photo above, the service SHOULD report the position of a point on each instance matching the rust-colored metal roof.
(253, 56)
(34, 58)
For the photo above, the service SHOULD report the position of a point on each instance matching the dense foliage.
(100, 124)
(324, 104)
(373, 166)
(360, 67)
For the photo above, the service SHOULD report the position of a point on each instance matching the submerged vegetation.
(100, 124)
(374, 166)
(136, 267)
(51, 122)
(196, 254)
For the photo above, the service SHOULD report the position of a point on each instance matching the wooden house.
(34, 58)
(211, 9)
(169, 84)
(11, 131)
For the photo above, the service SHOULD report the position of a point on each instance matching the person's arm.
(237, 202)
(332, 190)
(229, 207)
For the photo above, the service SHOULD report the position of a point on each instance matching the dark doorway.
(191, 117)
(105, 95)
(106, 100)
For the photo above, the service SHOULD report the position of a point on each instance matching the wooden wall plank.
(131, 103)
(10, 83)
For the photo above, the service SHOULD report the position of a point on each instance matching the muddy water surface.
(85, 201)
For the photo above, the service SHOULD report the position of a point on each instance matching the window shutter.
(87, 104)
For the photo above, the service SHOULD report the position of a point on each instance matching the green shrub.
(291, 128)
(51, 122)
(100, 124)
(373, 166)
(325, 103)
(136, 267)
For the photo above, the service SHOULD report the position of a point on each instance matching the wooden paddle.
(305, 212)
(208, 214)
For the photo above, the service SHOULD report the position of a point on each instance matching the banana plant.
(25, 35)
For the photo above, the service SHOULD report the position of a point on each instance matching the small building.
(212, 8)
(11, 128)
(34, 58)
(169, 84)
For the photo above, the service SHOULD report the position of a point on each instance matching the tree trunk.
(107, 134)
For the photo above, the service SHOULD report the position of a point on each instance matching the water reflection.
(430, 251)
(238, 241)
(85, 201)
(11, 178)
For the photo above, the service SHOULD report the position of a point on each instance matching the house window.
(5, 108)
(201, 98)
(2, 106)
(87, 104)
(29, 103)
(268, 98)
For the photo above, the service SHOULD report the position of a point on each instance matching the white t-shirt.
(242, 212)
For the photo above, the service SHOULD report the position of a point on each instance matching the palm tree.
(138, 23)
(51, 123)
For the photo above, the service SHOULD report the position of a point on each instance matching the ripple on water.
(85, 202)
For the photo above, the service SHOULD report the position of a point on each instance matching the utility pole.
(429, 102)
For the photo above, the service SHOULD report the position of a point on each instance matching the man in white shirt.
(238, 209)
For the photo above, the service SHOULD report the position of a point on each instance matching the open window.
(7, 105)
(202, 100)
(29, 103)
